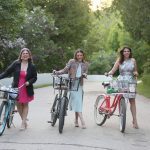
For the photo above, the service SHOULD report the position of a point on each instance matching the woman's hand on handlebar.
(54, 71)
(27, 83)
(84, 75)
(135, 73)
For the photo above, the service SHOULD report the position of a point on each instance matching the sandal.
(135, 125)
(76, 124)
(83, 127)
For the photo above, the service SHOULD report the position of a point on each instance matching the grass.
(42, 86)
(143, 90)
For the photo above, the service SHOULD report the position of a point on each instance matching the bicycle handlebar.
(62, 77)
(10, 89)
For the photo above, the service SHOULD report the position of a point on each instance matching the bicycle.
(7, 108)
(105, 105)
(60, 104)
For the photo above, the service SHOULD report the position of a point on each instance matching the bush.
(146, 79)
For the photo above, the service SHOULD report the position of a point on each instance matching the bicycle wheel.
(11, 115)
(99, 114)
(3, 116)
(62, 114)
(54, 111)
(122, 114)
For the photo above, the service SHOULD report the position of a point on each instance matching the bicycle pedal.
(13, 125)
(15, 111)
(65, 113)
(49, 121)
(108, 116)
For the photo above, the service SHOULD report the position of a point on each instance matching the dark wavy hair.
(121, 57)
(30, 54)
(79, 51)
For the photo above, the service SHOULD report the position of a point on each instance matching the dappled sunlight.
(100, 4)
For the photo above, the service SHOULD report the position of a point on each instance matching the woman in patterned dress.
(127, 71)
(76, 67)
(24, 73)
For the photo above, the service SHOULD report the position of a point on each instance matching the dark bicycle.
(8, 95)
(60, 104)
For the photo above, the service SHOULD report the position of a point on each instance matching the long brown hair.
(79, 51)
(121, 57)
(30, 54)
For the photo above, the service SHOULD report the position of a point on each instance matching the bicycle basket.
(74, 84)
(60, 83)
(13, 93)
(124, 86)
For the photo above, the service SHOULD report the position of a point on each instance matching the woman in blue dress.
(76, 68)
(127, 71)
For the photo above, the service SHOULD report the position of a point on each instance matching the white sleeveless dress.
(126, 70)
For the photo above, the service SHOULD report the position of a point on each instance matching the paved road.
(41, 136)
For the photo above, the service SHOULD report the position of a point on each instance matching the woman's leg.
(133, 112)
(20, 109)
(76, 120)
(82, 120)
(25, 114)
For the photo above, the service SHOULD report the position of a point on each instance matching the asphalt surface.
(41, 136)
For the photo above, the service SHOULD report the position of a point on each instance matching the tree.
(72, 18)
(72, 21)
(11, 18)
(135, 16)
(38, 30)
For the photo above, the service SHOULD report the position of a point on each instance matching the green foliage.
(141, 51)
(72, 19)
(147, 66)
(53, 29)
(10, 17)
(143, 89)
(146, 79)
(135, 16)
(101, 62)
(37, 31)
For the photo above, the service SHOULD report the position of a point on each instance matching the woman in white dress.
(76, 68)
(127, 71)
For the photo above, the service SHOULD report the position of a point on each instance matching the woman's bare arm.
(115, 67)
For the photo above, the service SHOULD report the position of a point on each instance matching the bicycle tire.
(62, 114)
(122, 114)
(3, 116)
(54, 111)
(11, 115)
(99, 116)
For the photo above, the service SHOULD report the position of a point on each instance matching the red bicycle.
(118, 93)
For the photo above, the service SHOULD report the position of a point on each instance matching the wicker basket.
(123, 86)
(60, 83)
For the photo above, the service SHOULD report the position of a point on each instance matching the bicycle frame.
(105, 104)
(109, 108)
(8, 105)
